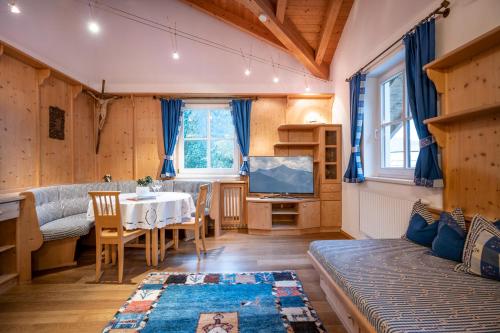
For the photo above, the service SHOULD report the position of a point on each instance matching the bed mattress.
(401, 287)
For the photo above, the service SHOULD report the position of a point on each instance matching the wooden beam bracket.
(42, 75)
(327, 30)
(76, 90)
(280, 10)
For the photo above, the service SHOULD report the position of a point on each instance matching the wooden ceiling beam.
(280, 10)
(258, 31)
(288, 35)
(327, 30)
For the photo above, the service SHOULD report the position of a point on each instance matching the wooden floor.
(68, 300)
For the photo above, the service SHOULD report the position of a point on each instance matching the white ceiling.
(136, 58)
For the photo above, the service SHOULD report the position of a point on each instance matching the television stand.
(278, 196)
(283, 215)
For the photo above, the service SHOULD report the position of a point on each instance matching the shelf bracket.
(438, 78)
(42, 75)
(439, 133)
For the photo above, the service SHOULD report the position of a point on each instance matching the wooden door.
(309, 214)
(331, 213)
(259, 215)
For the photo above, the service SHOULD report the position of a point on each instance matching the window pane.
(221, 124)
(414, 144)
(393, 90)
(221, 154)
(393, 145)
(195, 154)
(195, 123)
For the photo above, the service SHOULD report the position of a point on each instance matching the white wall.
(371, 27)
(136, 58)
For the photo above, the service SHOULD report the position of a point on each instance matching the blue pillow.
(482, 249)
(420, 232)
(450, 240)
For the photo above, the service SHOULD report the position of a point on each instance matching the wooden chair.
(109, 230)
(197, 224)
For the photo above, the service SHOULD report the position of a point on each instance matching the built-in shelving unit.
(9, 213)
(468, 128)
(296, 144)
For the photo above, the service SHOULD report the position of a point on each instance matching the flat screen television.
(281, 175)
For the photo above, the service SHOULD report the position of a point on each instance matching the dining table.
(152, 212)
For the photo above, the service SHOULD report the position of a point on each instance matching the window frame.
(405, 172)
(180, 144)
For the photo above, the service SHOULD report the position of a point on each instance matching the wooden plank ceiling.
(308, 29)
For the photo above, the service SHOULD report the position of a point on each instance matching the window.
(207, 140)
(398, 140)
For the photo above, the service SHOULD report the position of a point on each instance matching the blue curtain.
(240, 110)
(354, 172)
(422, 98)
(171, 117)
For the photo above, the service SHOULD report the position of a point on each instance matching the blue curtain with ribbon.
(171, 117)
(354, 172)
(240, 111)
(422, 98)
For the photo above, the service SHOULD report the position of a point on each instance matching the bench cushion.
(66, 227)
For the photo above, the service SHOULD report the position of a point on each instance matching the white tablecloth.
(165, 208)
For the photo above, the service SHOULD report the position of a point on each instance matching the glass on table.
(156, 185)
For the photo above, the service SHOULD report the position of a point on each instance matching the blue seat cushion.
(66, 227)
(450, 240)
(422, 228)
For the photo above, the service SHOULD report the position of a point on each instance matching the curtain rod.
(207, 98)
(441, 10)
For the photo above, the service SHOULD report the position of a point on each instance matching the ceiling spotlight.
(247, 72)
(14, 8)
(94, 27)
(276, 79)
(263, 18)
(308, 89)
(175, 55)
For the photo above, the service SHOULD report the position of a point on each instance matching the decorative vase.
(142, 190)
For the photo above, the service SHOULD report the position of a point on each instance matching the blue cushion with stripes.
(422, 228)
(450, 240)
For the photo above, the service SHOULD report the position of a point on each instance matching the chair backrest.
(201, 203)
(106, 210)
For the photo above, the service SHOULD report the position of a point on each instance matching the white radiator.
(383, 216)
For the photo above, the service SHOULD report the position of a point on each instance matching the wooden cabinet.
(308, 214)
(259, 216)
(9, 213)
(283, 216)
(330, 154)
(331, 214)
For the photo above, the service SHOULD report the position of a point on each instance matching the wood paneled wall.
(131, 143)
(28, 157)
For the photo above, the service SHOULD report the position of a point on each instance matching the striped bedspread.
(401, 287)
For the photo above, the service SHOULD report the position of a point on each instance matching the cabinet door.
(330, 155)
(309, 214)
(259, 216)
(331, 213)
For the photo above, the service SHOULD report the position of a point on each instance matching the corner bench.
(54, 218)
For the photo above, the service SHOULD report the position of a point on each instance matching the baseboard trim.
(346, 235)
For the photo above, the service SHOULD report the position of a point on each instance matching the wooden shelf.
(299, 127)
(284, 212)
(4, 248)
(464, 114)
(467, 51)
(4, 278)
(296, 144)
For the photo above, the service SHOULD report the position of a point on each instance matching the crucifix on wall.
(102, 104)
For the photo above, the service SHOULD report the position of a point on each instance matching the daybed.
(53, 218)
(394, 285)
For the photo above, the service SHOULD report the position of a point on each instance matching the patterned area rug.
(218, 303)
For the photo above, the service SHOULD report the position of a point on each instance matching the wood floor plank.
(68, 300)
